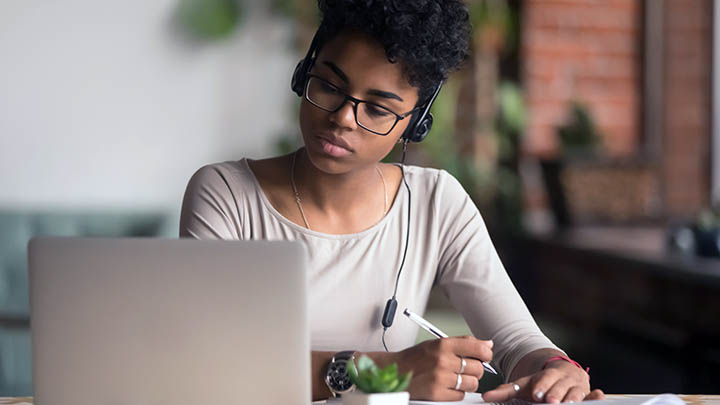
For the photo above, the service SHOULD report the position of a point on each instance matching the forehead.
(364, 61)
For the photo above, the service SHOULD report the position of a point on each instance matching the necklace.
(297, 195)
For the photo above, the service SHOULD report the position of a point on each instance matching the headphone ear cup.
(411, 128)
(422, 130)
(297, 83)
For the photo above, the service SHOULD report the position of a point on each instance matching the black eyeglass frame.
(355, 101)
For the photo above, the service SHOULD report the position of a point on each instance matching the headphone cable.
(392, 303)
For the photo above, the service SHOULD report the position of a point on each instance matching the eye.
(328, 88)
(376, 111)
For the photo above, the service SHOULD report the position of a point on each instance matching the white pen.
(436, 332)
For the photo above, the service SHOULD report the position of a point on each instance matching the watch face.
(338, 377)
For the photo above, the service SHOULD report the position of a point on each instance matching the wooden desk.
(690, 399)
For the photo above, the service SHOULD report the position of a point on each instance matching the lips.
(337, 142)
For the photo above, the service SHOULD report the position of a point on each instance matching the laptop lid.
(154, 321)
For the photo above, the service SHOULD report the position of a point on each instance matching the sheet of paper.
(662, 399)
(470, 398)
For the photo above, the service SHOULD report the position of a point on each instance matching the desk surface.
(690, 399)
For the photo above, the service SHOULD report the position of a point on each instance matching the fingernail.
(491, 343)
(539, 395)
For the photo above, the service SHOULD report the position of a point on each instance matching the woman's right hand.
(436, 363)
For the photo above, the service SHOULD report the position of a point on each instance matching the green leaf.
(369, 378)
(392, 370)
(393, 385)
(352, 372)
(364, 384)
(365, 363)
(404, 382)
(209, 19)
(380, 385)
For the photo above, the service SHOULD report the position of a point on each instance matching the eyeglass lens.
(329, 98)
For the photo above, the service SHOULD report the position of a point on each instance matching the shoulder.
(209, 208)
(433, 181)
(221, 176)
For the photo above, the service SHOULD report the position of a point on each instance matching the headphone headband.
(303, 67)
(420, 127)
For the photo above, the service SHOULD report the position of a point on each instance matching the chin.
(329, 164)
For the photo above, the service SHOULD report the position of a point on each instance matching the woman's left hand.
(560, 381)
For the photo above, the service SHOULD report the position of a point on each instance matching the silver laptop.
(153, 321)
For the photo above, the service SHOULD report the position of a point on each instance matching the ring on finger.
(463, 364)
(516, 387)
(459, 382)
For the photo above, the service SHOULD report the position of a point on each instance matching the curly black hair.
(430, 38)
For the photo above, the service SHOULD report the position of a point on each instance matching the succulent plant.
(370, 379)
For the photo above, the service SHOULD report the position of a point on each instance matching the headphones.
(419, 126)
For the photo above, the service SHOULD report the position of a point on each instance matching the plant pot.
(385, 398)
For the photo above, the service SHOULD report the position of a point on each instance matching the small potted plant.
(376, 386)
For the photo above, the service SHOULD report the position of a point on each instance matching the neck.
(336, 193)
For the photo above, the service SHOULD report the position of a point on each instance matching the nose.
(345, 116)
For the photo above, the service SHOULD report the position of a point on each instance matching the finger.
(434, 388)
(595, 394)
(468, 383)
(472, 366)
(471, 337)
(506, 392)
(541, 384)
(502, 393)
(557, 392)
(469, 347)
(575, 394)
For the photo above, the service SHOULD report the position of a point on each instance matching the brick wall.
(587, 50)
(593, 51)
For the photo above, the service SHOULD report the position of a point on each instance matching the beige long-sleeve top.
(352, 276)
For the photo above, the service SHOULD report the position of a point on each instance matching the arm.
(209, 209)
(533, 362)
(473, 277)
(319, 364)
(477, 284)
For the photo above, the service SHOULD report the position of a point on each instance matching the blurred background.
(583, 130)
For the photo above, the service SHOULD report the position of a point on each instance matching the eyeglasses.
(368, 115)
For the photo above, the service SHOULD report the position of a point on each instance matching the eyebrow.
(374, 92)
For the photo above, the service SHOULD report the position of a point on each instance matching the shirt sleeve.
(209, 209)
(476, 283)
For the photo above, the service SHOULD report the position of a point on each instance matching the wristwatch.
(337, 378)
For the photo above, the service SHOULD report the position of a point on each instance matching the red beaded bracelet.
(568, 359)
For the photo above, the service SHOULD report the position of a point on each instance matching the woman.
(366, 84)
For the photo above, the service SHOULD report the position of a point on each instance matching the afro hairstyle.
(429, 38)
